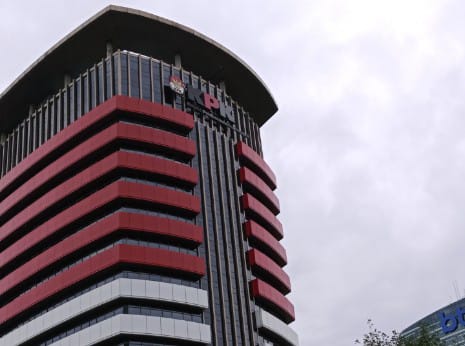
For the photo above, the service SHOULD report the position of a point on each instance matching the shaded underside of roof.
(144, 33)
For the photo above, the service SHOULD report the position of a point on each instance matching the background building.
(135, 204)
(448, 323)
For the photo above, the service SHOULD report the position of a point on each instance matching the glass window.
(134, 74)
(93, 88)
(101, 84)
(40, 128)
(146, 78)
(78, 99)
(71, 105)
(86, 91)
(26, 139)
(124, 74)
(30, 134)
(177, 98)
(157, 90)
(46, 122)
(166, 77)
(53, 110)
(109, 82)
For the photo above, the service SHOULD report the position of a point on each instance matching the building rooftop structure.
(142, 32)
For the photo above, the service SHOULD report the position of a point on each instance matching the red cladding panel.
(124, 103)
(117, 131)
(251, 204)
(272, 298)
(120, 254)
(256, 163)
(157, 138)
(262, 263)
(266, 242)
(118, 222)
(132, 161)
(121, 189)
(259, 188)
(156, 111)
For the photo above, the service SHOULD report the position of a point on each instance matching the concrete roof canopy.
(144, 33)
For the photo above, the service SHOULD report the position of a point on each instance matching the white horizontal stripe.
(162, 327)
(267, 321)
(120, 288)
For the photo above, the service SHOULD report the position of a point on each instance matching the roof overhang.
(143, 33)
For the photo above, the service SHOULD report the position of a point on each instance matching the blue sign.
(450, 323)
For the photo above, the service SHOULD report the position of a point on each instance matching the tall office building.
(135, 204)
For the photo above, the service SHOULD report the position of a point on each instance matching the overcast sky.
(368, 144)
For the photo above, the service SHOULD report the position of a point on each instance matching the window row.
(127, 274)
(125, 309)
(123, 73)
(155, 243)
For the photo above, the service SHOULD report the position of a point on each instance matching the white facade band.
(162, 327)
(119, 288)
(274, 325)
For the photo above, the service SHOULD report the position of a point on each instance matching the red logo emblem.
(177, 85)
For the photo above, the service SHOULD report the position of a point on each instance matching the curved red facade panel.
(252, 205)
(118, 222)
(118, 190)
(266, 242)
(115, 132)
(256, 163)
(259, 188)
(116, 103)
(127, 160)
(153, 110)
(273, 299)
(117, 255)
(149, 193)
(157, 138)
(260, 263)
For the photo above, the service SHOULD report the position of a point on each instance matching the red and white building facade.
(135, 204)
